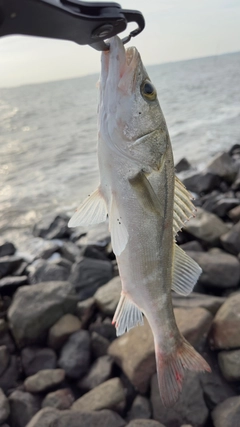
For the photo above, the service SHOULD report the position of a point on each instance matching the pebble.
(224, 334)
(99, 372)
(4, 407)
(231, 240)
(62, 329)
(43, 380)
(229, 363)
(35, 359)
(88, 275)
(105, 396)
(75, 355)
(206, 226)
(59, 399)
(43, 304)
(227, 414)
(23, 406)
(99, 345)
(140, 409)
(107, 296)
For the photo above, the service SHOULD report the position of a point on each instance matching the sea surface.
(48, 133)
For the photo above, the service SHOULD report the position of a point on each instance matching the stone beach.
(61, 363)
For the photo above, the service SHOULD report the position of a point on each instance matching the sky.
(175, 30)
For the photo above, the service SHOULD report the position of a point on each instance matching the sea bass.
(146, 205)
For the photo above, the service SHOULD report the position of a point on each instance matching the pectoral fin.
(92, 211)
(127, 315)
(185, 272)
(145, 193)
(183, 206)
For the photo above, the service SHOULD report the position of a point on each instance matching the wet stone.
(75, 355)
(99, 372)
(88, 275)
(59, 399)
(227, 414)
(23, 406)
(35, 359)
(105, 396)
(140, 409)
(62, 329)
(4, 407)
(44, 380)
(229, 363)
(6, 248)
(43, 304)
(4, 358)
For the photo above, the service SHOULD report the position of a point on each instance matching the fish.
(146, 205)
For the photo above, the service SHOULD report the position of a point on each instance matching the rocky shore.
(60, 361)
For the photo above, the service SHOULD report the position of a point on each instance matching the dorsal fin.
(183, 207)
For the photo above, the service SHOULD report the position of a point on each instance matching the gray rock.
(97, 235)
(6, 248)
(75, 355)
(99, 372)
(70, 251)
(4, 358)
(23, 406)
(62, 329)
(44, 271)
(99, 345)
(219, 269)
(96, 252)
(231, 240)
(227, 414)
(9, 378)
(234, 214)
(224, 333)
(8, 264)
(140, 409)
(224, 205)
(9, 284)
(3, 326)
(223, 166)
(201, 182)
(229, 363)
(107, 296)
(44, 380)
(46, 248)
(105, 328)
(182, 165)
(35, 359)
(85, 310)
(6, 339)
(4, 407)
(209, 302)
(105, 396)
(189, 409)
(206, 226)
(196, 330)
(88, 274)
(49, 417)
(194, 245)
(144, 423)
(43, 305)
(59, 399)
(236, 184)
(52, 227)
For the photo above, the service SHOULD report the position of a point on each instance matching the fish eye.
(148, 91)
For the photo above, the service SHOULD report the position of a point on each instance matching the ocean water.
(48, 133)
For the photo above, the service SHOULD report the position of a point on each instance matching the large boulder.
(105, 396)
(75, 355)
(225, 334)
(189, 409)
(43, 305)
(206, 226)
(219, 269)
(227, 414)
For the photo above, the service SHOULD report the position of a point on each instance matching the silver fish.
(147, 205)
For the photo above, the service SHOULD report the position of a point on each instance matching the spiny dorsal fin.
(127, 316)
(183, 206)
(185, 272)
(93, 210)
(119, 233)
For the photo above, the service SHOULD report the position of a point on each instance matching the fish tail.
(171, 369)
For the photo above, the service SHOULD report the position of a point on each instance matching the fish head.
(129, 111)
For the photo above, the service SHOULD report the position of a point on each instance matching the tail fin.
(170, 369)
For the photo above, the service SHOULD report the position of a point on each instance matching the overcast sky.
(175, 30)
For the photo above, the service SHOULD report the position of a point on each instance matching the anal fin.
(127, 315)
